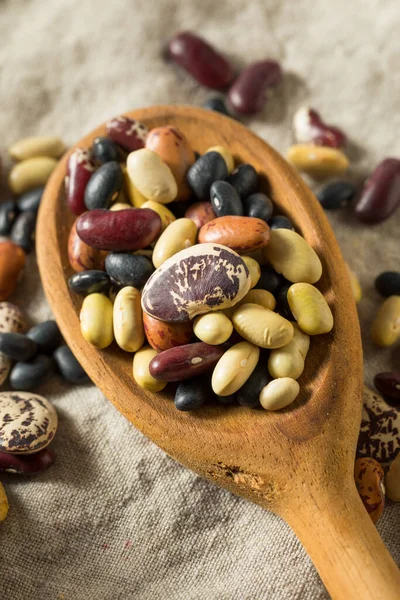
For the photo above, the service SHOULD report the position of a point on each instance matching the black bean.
(30, 201)
(192, 393)
(231, 399)
(259, 206)
(249, 393)
(68, 366)
(388, 283)
(208, 168)
(269, 280)
(104, 186)
(244, 179)
(104, 150)
(282, 304)
(128, 269)
(26, 376)
(217, 104)
(23, 231)
(225, 200)
(90, 282)
(336, 195)
(17, 346)
(8, 214)
(280, 222)
(46, 335)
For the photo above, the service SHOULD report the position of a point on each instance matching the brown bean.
(81, 256)
(12, 261)
(368, 475)
(241, 234)
(200, 213)
(184, 362)
(163, 336)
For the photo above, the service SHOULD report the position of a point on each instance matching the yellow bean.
(141, 373)
(213, 328)
(386, 326)
(97, 320)
(167, 217)
(318, 161)
(39, 145)
(226, 155)
(279, 393)
(3, 503)
(127, 319)
(30, 173)
(234, 368)
(261, 297)
(151, 176)
(290, 255)
(254, 270)
(135, 197)
(179, 235)
(289, 360)
(355, 284)
(310, 309)
(262, 326)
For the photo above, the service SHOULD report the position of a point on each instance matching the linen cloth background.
(115, 518)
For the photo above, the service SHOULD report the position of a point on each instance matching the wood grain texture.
(297, 462)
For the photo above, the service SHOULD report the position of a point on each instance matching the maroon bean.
(201, 60)
(129, 229)
(128, 133)
(184, 362)
(80, 168)
(380, 195)
(200, 213)
(247, 94)
(27, 464)
(309, 128)
(388, 384)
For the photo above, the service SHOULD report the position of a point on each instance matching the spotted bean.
(368, 475)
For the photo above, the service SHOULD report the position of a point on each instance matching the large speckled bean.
(241, 234)
(392, 480)
(290, 255)
(3, 503)
(12, 261)
(83, 257)
(213, 328)
(279, 393)
(288, 361)
(162, 336)
(184, 362)
(318, 161)
(234, 368)
(368, 475)
(141, 373)
(262, 326)
(97, 320)
(127, 318)
(386, 326)
(151, 176)
(310, 309)
(34, 146)
(166, 216)
(30, 173)
(179, 235)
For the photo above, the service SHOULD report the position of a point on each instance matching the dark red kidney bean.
(225, 200)
(30, 201)
(200, 213)
(380, 195)
(192, 394)
(128, 269)
(17, 346)
(309, 128)
(129, 229)
(201, 60)
(128, 133)
(388, 384)
(388, 283)
(27, 464)
(336, 195)
(23, 231)
(218, 105)
(80, 168)
(249, 393)
(104, 150)
(104, 186)
(27, 376)
(208, 168)
(184, 362)
(247, 94)
(68, 366)
(259, 206)
(90, 282)
(46, 335)
(244, 179)
(280, 222)
(8, 214)
(269, 280)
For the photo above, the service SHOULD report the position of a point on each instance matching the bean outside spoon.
(297, 462)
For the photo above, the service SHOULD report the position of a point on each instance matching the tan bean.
(135, 197)
(166, 216)
(163, 336)
(30, 173)
(39, 145)
(310, 309)
(262, 326)
(386, 326)
(213, 328)
(97, 320)
(179, 235)
(279, 393)
(290, 255)
(151, 176)
(355, 284)
(127, 320)
(318, 161)
(234, 368)
(254, 270)
(141, 373)
(3, 503)
(392, 480)
(226, 155)
(289, 360)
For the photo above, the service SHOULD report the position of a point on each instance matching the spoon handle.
(343, 544)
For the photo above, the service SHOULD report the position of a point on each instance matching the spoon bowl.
(297, 462)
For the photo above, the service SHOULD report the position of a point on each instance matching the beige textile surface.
(116, 518)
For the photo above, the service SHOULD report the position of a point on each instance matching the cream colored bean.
(290, 255)
(318, 161)
(355, 284)
(127, 319)
(310, 309)
(141, 373)
(234, 368)
(226, 155)
(3, 503)
(133, 195)
(392, 480)
(166, 216)
(97, 320)
(261, 297)
(179, 235)
(289, 360)
(279, 393)
(34, 146)
(254, 270)
(151, 176)
(213, 328)
(262, 326)
(30, 173)
(386, 326)
(120, 206)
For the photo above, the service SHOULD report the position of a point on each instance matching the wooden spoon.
(296, 462)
